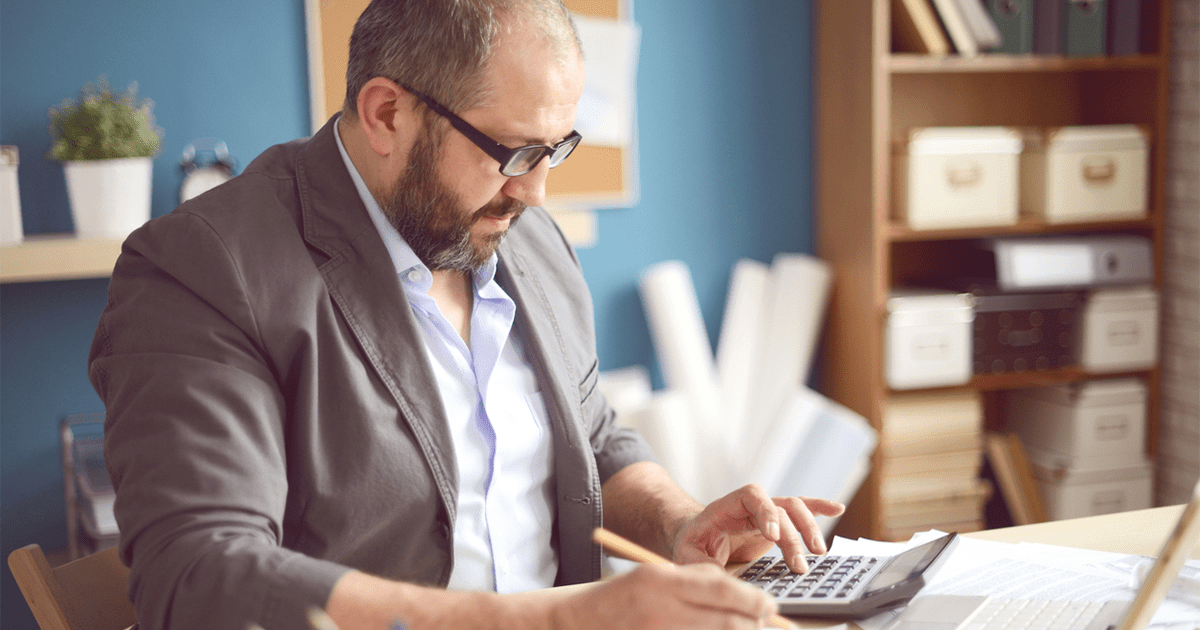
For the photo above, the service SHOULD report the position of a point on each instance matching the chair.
(84, 594)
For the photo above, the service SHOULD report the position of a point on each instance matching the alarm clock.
(200, 175)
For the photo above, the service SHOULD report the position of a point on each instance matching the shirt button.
(414, 275)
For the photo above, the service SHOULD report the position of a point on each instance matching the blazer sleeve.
(194, 439)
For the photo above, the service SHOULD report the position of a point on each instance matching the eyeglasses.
(513, 162)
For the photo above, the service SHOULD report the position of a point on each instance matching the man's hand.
(745, 523)
(664, 598)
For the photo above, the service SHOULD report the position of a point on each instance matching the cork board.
(594, 176)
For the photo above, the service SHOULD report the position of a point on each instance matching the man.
(352, 379)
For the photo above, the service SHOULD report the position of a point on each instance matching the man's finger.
(799, 514)
(762, 510)
(790, 543)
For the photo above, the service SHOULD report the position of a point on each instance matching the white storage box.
(1085, 173)
(1119, 329)
(947, 177)
(1074, 493)
(11, 231)
(928, 338)
(1089, 425)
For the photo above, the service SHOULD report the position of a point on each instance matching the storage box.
(11, 230)
(947, 177)
(928, 339)
(1085, 173)
(1119, 329)
(1088, 425)
(1074, 493)
(1019, 332)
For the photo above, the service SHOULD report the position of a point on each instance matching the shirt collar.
(403, 257)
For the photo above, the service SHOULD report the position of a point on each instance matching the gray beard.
(428, 215)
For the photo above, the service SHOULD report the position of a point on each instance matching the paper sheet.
(1028, 570)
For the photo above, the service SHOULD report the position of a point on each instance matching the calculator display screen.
(905, 565)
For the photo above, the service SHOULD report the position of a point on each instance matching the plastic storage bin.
(928, 338)
(947, 177)
(1085, 173)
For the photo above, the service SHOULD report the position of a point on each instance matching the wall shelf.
(58, 257)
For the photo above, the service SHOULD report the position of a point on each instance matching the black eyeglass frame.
(509, 159)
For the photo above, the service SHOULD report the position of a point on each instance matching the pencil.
(634, 551)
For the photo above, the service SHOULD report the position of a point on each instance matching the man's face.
(451, 203)
(434, 220)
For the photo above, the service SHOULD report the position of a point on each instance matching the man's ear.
(386, 116)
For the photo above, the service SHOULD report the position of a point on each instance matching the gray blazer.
(272, 419)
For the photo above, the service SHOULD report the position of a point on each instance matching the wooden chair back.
(85, 594)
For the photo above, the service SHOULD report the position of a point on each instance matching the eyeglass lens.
(524, 160)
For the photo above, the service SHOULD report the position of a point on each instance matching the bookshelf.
(868, 95)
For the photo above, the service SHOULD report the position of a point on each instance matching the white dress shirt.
(503, 522)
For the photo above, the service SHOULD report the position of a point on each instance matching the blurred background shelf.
(58, 257)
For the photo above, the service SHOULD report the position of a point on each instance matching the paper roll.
(686, 358)
(797, 296)
(739, 346)
(665, 421)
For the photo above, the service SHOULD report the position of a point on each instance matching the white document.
(605, 115)
(1033, 571)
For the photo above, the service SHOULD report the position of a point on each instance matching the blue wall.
(725, 148)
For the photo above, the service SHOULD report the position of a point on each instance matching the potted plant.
(106, 142)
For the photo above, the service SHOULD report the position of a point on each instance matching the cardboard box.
(948, 177)
(1088, 425)
(1074, 493)
(1085, 173)
(928, 339)
(1119, 329)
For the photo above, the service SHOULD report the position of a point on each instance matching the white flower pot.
(109, 198)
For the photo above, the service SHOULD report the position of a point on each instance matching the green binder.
(1085, 27)
(1014, 18)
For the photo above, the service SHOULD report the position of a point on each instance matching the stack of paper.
(930, 455)
(745, 413)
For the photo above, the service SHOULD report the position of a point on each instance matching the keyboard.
(1043, 614)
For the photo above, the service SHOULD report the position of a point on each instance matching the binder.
(1085, 27)
(915, 28)
(979, 23)
(1047, 27)
(1124, 27)
(956, 26)
(1014, 19)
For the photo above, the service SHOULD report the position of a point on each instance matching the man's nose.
(530, 188)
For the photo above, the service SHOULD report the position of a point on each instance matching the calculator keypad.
(828, 577)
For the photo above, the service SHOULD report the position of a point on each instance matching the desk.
(1140, 532)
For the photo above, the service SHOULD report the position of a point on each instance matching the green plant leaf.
(101, 124)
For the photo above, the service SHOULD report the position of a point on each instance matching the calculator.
(849, 587)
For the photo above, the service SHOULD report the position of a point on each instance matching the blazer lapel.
(362, 281)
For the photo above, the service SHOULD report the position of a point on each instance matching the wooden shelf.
(58, 257)
(900, 232)
(1032, 378)
(914, 63)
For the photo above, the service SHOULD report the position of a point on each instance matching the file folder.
(1014, 18)
(1085, 27)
